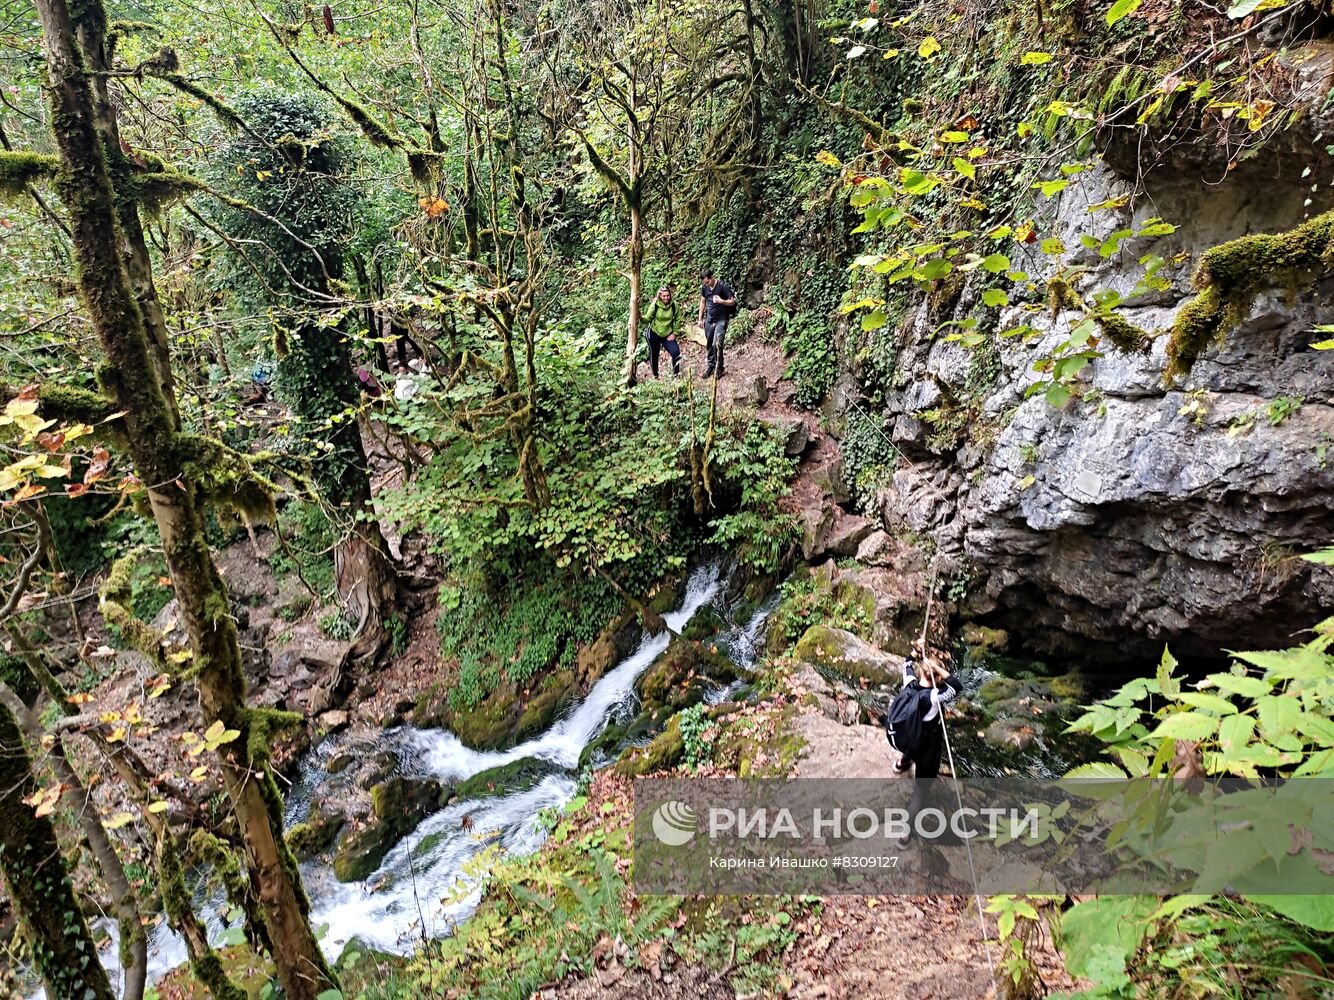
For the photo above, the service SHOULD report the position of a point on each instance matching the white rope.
(954, 776)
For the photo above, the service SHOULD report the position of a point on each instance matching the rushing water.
(432, 879)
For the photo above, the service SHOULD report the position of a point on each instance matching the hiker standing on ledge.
(717, 305)
(663, 317)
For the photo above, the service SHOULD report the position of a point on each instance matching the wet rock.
(672, 680)
(541, 709)
(317, 832)
(664, 751)
(830, 478)
(847, 534)
(340, 762)
(381, 766)
(846, 655)
(516, 776)
(604, 747)
(332, 721)
(1010, 734)
(612, 645)
(753, 392)
(793, 432)
(398, 806)
(815, 525)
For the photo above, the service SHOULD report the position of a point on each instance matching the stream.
(430, 880)
(433, 878)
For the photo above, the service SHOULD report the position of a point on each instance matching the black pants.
(656, 344)
(715, 333)
(926, 759)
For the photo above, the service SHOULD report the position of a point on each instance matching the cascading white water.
(431, 880)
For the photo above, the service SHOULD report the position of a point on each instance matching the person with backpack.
(717, 306)
(663, 317)
(914, 724)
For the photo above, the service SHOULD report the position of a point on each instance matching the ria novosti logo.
(674, 823)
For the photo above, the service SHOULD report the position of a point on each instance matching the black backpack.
(904, 727)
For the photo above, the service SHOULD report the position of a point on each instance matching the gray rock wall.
(1120, 518)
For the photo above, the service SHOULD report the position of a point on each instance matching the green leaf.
(1057, 395)
(1316, 912)
(1279, 714)
(1122, 8)
(1190, 726)
(1049, 188)
(1098, 769)
(965, 168)
(1325, 557)
(998, 262)
(1209, 702)
(994, 297)
(1323, 345)
(1168, 685)
(1244, 9)
(954, 137)
(1034, 58)
(1247, 687)
(1235, 732)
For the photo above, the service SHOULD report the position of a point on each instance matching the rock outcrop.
(1140, 513)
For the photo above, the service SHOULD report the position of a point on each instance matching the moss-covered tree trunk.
(162, 456)
(133, 939)
(38, 883)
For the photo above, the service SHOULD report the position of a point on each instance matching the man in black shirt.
(717, 303)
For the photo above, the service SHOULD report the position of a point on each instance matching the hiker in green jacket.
(663, 317)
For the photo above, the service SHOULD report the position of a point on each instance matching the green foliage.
(1268, 715)
(520, 627)
(869, 456)
(697, 734)
(308, 540)
(808, 599)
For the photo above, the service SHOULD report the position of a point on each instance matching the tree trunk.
(133, 940)
(636, 292)
(161, 456)
(38, 883)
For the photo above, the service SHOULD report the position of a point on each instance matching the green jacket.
(664, 320)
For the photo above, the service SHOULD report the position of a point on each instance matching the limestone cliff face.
(1140, 513)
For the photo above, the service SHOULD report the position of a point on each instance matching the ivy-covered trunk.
(315, 378)
(38, 883)
(636, 291)
(169, 463)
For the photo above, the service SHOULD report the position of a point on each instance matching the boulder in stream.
(398, 805)
(516, 776)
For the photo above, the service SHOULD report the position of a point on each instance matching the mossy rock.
(854, 596)
(703, 624)
(359, 853)
(316, 834)
(340, 762)
(664, 751)
(607, 744)
(516, 776)
(611, 646)
(398, 805)
(669, 672)
(981, 639)
(667, 595)
(381, 767)
(405, 801)
(490, 725)
(846, 655)
(540, 710)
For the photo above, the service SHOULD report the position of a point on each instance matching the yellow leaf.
(199, 773)
(158, 806)
(119, 820)
(109, 717)
(929, 47)
(116, 735)
(215, 731)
